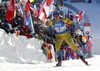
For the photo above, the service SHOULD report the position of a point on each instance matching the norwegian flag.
(27, 20)
(10, 10)
(80, 16)
(77, 18)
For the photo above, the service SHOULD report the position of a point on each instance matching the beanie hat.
(55, 13)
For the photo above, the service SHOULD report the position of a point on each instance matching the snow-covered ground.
(16, 57)
(71, 65)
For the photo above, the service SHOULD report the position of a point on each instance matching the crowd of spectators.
(15, 25)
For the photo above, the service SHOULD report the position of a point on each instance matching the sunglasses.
(56, 16)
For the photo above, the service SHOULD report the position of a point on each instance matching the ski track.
(70, 65)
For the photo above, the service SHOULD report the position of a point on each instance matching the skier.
(62, 34)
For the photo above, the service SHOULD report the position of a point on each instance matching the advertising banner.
(87, 29)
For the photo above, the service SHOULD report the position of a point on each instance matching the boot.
(85, 61)
(59, 63)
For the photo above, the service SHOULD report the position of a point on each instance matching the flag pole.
(13, 15)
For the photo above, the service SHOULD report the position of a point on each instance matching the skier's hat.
(55, 13)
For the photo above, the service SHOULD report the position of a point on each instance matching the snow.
(70, 65)
(20, 49)
(22, 54)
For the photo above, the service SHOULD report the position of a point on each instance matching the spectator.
(2, 14)
(7, 27)
(89, 1)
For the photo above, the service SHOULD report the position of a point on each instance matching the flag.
(88, 45)
(69, 14)
(48, 7)
(27, 20)
(42, 14)
(80, 16)
(35, 10)
(45, 9)
(49, 52)
(77, 17)
(60, 2)
(10, 10)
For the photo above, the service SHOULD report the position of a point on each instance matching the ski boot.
(85, 62)
(59, 63)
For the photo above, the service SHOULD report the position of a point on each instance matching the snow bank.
(20, 49)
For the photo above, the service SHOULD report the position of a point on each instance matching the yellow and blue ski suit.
(62, 34)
